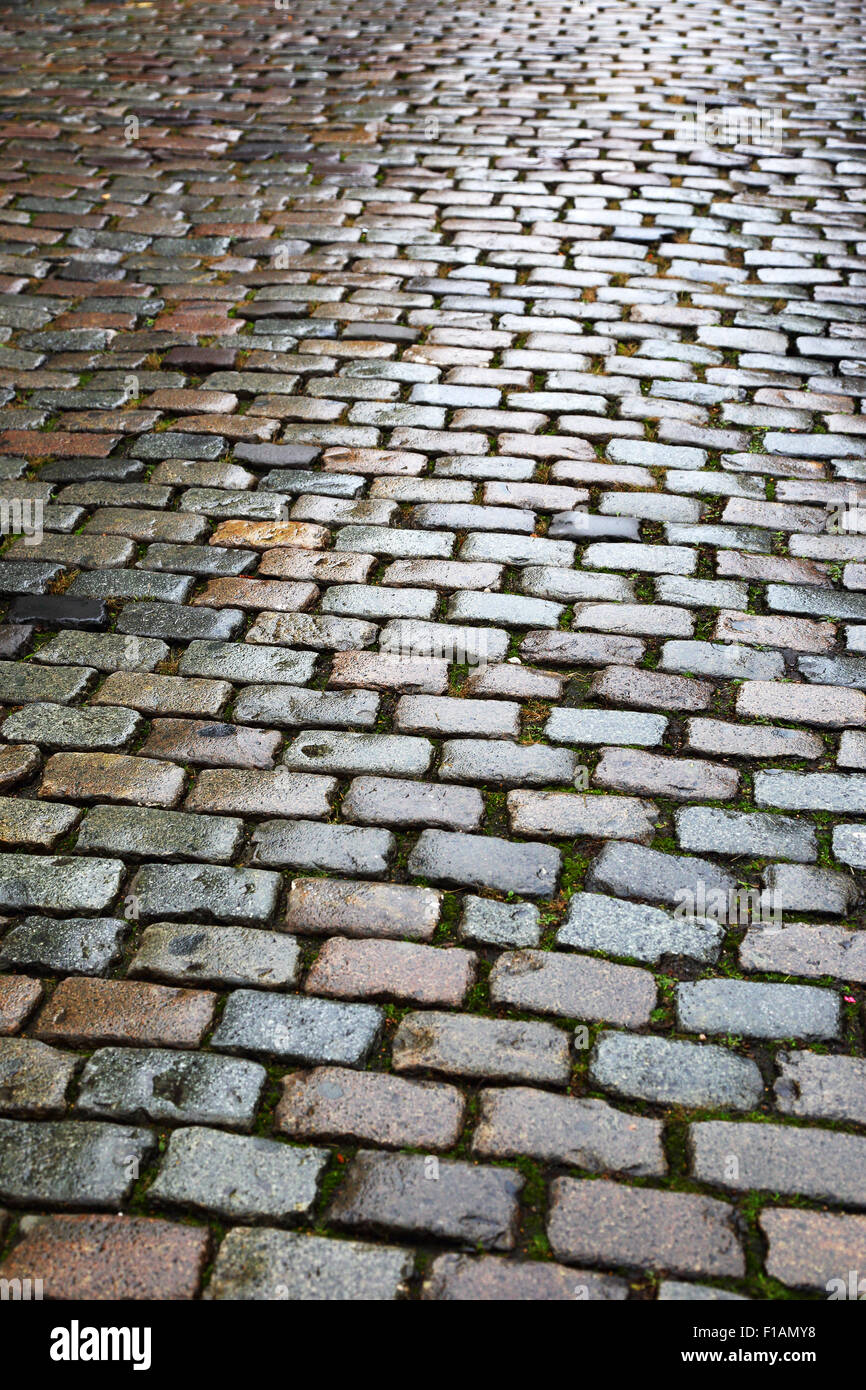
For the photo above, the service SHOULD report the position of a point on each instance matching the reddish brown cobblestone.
(110, 1257)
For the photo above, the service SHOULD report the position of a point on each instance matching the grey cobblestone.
(757, 1010)
(583, 1133)
(675, 1073)
(263, 1265)
(473, 1205)
(236, 1177)
(170, 1087)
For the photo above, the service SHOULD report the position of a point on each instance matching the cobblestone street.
(433, 649)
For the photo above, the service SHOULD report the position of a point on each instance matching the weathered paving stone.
(70, 1163)
(112, 777)
(104, 651)
(57, 726)
(334, 1103)
(514, 682)
(110, 1257)
(675, 1073)
(249, 792)
(573, 987)
(354, 908)
(19, 996)
(438, 642)
(493, 1049)
(86, 551)
(483, 861)
(588, 1134)
(654, 774)
(404, 544)
(35, 825)
(174, 623)
(34, 1078)
(197, 559)
(492, 1278)
(804, 949)
(737, 832)
(167, 1087)
(826, 706)
(582, 649)
(58, 883)
(676, 1291)
(814, 1163)
(353, 754)
(800, 634)
(512, 610)
(818, 1087)
(809, 1249)
(486, 922)
(797, 887)
(246, 665)
(378, 604)
(287, 707)
(132, 584)
(83, 1011)
(386, 671)
(390, 1193)
(325, 632)
(138, 832)
(186, 953)
(622, 685)
(219, 745)
(20, 684)
(564, 814)
(758, 1010)
(721, 662)
(434, 715)
(852, 748)
(849, 845)
(504, 763)
(604, 726)
(751, 740)
(154, 694)
(236, 1177)
(264, 1265)
(78, 945)
(18, 763)
(811, 791)
(297, 1029)
(399, 802)
(312, 845)
(347, 969)
(596, 922)
(606, 1223)
(256, 594)
(244, 896)
(632, 871)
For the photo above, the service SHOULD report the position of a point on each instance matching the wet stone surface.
(432, 650)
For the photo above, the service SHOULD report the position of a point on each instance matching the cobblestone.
(432, 625)
(473, 1205)
(607, 1224)
(111, 1257)
(337, 1104)
(583, 1133)
(236, 1177)
(262, 1265)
